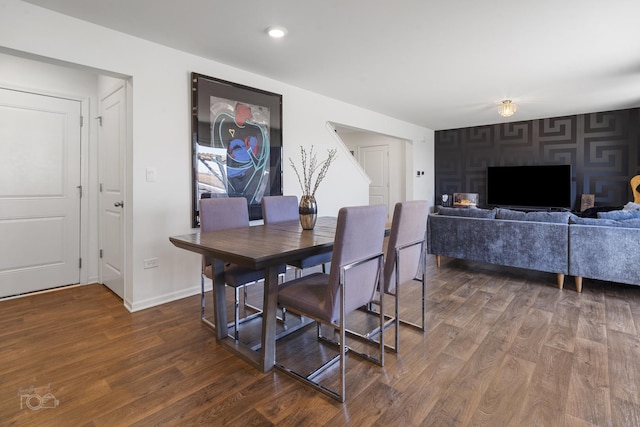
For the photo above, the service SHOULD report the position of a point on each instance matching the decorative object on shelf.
(508, 108)
(586, 201)
(635, 188)
(465, 200)
(445, 200)
(308, 208)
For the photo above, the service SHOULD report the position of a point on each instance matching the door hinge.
(100, 253)
(99, 119)
(81, 121)
(79, 262)
(79, 187)
(101, 187)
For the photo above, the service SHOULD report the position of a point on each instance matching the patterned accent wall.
(602, 149)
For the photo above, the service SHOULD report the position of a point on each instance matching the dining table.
(265, 247)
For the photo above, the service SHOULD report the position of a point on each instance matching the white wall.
(159, 79)
(397, 171)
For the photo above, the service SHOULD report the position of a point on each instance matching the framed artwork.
(236, 143)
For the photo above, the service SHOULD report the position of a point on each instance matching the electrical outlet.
(151, 263)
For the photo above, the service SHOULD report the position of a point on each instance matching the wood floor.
(504, 347)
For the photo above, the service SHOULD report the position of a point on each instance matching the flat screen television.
(546, 186)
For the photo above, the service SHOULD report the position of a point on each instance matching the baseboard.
(163, 299)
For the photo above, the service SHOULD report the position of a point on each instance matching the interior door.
(39, 192)
(375, 162)
(112, 143)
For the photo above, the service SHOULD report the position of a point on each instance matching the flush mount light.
(276, 31)
(507, 108)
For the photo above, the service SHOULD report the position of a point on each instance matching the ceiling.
(441, 64)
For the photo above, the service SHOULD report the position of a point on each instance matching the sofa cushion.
(553, 217)
(619, 215)
(468, 212)
(626, 223)
(502, 213)
(592, 221)
(630, 223)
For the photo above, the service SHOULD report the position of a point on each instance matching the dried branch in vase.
(308, 170)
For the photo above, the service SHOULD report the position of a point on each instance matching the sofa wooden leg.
(560, 278)
(578, 283)
(438, 261)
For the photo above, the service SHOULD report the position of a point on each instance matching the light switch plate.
(151, 174)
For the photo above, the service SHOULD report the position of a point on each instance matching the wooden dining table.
(258, 247)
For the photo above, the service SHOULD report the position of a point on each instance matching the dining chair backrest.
(223, 213)
(408, 226)
(359, 235)
(279, 208)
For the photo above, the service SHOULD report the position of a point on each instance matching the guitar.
(635, 187)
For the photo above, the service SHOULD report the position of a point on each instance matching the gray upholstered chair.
(285, 208)
(222, 214)
(405, 258)
(355, 276)
(404, 263)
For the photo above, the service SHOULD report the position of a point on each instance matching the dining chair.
(353, 280)
(404, 263)
(405, 259)
(277, 209)
(222, 214)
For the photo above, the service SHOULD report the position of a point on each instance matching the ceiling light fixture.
(507, 108)
(276, 32)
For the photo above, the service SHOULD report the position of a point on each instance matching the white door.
(111, 140)
(375, 162)
(39, 192)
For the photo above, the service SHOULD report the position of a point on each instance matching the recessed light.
(276, 31)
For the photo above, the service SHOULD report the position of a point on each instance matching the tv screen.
(546, 186)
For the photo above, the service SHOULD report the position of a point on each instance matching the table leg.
(219, 299)
(269, 308)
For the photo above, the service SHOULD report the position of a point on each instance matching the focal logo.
(36, 398)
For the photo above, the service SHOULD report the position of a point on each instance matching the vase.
(308, 211)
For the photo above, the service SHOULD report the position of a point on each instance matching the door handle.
(119, 204)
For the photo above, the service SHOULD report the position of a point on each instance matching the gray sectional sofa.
(607, 248)
(557, 242)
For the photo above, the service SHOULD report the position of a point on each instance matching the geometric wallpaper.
(602, 149)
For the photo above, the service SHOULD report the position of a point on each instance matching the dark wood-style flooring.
(504, 347)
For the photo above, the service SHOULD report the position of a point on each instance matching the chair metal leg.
(236, 314)
(203, 305)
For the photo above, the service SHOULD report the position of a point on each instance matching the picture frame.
(236, 143)
(465, 200)
(587, 201)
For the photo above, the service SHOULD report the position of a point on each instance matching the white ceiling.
(442, 64)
